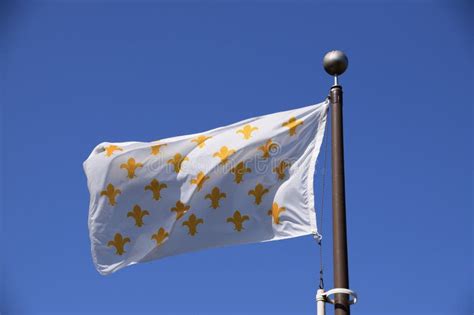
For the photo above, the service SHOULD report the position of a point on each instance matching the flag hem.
(312, 171)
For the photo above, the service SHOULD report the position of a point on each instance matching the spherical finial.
(335, 62)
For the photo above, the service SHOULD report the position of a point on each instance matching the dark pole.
(335, 63)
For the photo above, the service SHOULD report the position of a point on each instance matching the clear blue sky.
(75, 73)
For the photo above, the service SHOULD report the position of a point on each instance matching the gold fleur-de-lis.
(239, 171)
(137, 213)
(258, 193)
(155, 149)
(224, 154)
(291, 124)
(155, 187)
(177, 162)
(237, 219)
(109, 150)
(111, 193)
(192, 223)
(215, 196)
(180, 209)
(201, 141)
(275, 212)
(199, 180)
(246, 131)
(160, 236)
(131, 166)
(119, 243)
(267, 147)
(280, 170)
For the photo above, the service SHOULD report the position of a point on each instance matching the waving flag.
(251, 181)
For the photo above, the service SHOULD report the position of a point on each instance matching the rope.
(320, 241)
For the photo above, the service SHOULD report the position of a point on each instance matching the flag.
(248, 182)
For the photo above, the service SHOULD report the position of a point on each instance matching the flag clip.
(318, 237)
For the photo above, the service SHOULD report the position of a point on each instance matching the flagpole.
(335, 63)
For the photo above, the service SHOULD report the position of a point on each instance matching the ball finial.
(335, 62)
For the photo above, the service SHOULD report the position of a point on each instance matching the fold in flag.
(248, 182)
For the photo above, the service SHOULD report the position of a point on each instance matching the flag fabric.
(248, 182)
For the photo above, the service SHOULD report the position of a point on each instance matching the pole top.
(335, 62)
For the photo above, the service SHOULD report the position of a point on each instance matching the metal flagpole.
(335, 63)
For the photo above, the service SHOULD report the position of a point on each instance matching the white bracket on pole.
(323, 297)
(321, 302)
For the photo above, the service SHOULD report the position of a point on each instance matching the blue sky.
(76, 73)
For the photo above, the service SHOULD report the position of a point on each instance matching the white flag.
(251, 181)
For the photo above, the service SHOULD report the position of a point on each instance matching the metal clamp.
(339, 291)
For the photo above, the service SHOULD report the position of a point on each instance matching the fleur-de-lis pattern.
(109, 150)
(280, 169)
(239, 171)
(224, 153)
(258, 193)
(292, 124)
(111, 193)
(247, 130)
(192, 224)
(238, 220)
(180, 209)
(155, 149)
(201, 141)
(177, 161)
(267, 148)
(275, 212)
(228, 185)
(215, 196)
(199, 180)
(160, 236)
(155, 187)
(137, 213)
(119, 243)
(131, 166)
